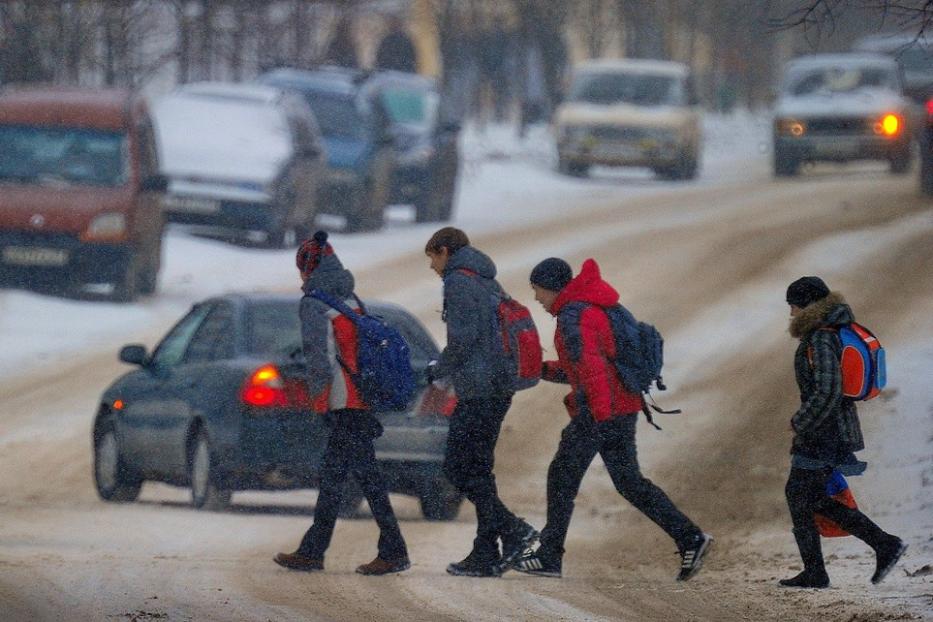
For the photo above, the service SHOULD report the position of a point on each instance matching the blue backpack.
(384, 377)
(639, 358)
(639, 351)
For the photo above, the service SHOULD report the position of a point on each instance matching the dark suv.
(359, 142)
(426, 153)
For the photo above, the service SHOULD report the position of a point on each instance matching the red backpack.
(520, 340)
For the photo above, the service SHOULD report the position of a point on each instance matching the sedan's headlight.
(109, 226)
(790, 127)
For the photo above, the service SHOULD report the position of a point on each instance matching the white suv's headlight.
(106, 226)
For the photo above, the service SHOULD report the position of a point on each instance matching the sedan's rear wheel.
(114, 481)
(206, 493)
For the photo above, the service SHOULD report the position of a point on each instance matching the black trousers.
(350, 450)
(806, 496)
(614, 440)
(471, 444)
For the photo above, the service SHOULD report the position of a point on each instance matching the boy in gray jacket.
(474, 362)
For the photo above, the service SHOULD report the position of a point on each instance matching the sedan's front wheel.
(206, 494)
(114, 481)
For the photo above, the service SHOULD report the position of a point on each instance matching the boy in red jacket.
(603, 416)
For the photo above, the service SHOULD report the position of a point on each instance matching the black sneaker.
(516, 542)
(474, 565)
(532, 563)
(886, 557)
(691, 555)
(810, 579)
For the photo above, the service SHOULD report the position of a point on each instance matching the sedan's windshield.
(63, 155)
(627, 88)
(916, 59)
(337, 115)
(840, 80)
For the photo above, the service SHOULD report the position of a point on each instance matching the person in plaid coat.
(826, 435)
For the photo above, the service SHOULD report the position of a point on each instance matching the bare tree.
(821, 16)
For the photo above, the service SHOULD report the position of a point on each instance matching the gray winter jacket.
(474, 358)
(317, 340)
(826, 425)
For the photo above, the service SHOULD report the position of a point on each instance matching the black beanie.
(552, 274)
(806, 290)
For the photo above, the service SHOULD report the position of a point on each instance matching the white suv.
(630, 113)
(841, 107)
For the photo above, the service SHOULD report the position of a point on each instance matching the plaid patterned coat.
(826, 426)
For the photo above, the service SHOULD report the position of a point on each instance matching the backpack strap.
(338, 305)
(342, 308)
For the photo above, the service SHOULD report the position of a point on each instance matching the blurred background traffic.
(256, 122)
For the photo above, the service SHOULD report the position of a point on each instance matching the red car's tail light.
(930, 108)
(266, 388)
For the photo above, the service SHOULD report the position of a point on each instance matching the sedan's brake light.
(266, 388)
(930, 108)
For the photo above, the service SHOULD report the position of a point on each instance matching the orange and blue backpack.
(862, 363)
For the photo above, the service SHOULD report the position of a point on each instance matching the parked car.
(630, 113)
(839, 108)
(221, 405)
(79, 190)
(356, 130)
(427, 158)
(241, 157)
(926, 151)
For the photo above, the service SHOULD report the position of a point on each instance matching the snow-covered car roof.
(892, 43)
(843, 61)
(633, 65)
(204, 133)
(258, 93)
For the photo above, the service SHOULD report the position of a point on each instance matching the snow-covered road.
(707, 262)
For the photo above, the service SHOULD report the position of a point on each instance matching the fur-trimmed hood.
(830, 311)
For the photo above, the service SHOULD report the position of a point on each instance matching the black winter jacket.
(826, 426)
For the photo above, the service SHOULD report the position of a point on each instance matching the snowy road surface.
(707, 262)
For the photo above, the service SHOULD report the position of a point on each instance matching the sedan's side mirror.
(154, 183)
(134, 354)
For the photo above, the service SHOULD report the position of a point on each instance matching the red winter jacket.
(585, 348)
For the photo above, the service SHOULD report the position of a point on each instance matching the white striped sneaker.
(691, 556)
(531, 563)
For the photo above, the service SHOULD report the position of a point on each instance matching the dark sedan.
(221, 405)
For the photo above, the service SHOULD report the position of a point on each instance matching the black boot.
(814, 572)
(886, 555)
(888, 549)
